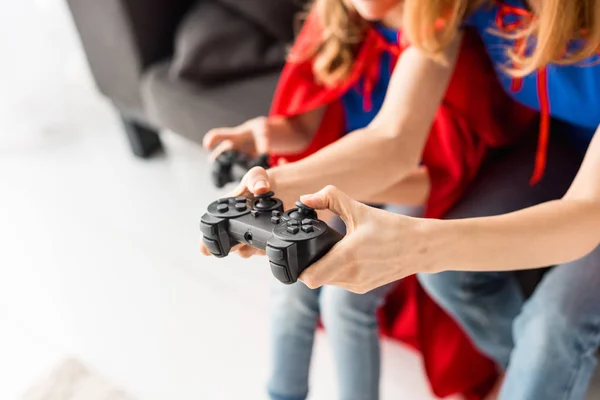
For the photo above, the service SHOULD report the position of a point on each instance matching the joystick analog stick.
(303, 212)
(265, 201)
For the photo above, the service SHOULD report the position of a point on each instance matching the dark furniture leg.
(144, 141)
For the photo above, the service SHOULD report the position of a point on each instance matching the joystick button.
(208, 229)
(240, 199)
(274, 254)
(280, 272)
(293, 229)
(222, 208)
(293, 222)
(275, 220)
(241, 206)
(276, 213)
(212, 246)
(307, 228)
(307, 221)
(254, 213)
(223, 201)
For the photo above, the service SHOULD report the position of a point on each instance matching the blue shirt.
(573, 90)
(356, 117)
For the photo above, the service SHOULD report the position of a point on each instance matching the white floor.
(98, 254)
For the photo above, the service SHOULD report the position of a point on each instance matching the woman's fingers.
(330, 266)
(339, 259)
(333, 199)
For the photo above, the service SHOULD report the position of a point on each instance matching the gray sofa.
(129, 46)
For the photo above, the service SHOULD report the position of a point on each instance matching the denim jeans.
(547, 343)
(350, 322)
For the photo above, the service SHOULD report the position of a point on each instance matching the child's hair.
(556, 23)
(343, 30)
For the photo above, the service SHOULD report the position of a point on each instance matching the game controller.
(231, 166)
(293, 240)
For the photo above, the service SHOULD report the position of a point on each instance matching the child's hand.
(251, 137)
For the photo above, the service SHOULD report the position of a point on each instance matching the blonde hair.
(343, 29)
(556, 23)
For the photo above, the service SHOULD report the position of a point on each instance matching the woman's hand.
(379, 247)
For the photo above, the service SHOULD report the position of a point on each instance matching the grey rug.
(71, 380)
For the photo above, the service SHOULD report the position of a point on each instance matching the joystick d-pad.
(230, 207)
(293, 240)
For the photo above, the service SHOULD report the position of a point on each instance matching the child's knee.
(296, 301)
(341, 308)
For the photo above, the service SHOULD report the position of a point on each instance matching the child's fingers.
(213, 137)
(246, 251)
(217, 135)
(222, 147)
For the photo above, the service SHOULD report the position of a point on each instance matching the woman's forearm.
(547, 234)
(360, 164)
(411, 191)
(384, 153)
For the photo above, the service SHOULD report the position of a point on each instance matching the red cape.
(476, 114)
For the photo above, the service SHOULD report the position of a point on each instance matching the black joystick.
(231, 166)
(303, 212)
(293, 240)
(265, 201)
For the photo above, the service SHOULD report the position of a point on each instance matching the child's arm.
(266, 135)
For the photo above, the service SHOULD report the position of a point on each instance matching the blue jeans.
(547, 343)
(350, 322)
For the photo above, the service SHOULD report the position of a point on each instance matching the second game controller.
(293, 239)
(231, 166)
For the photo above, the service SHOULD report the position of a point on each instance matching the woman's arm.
(380, 247)
(546, 234)
(363, 162)
(413, 190)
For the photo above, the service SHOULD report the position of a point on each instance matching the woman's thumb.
(331, 198)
